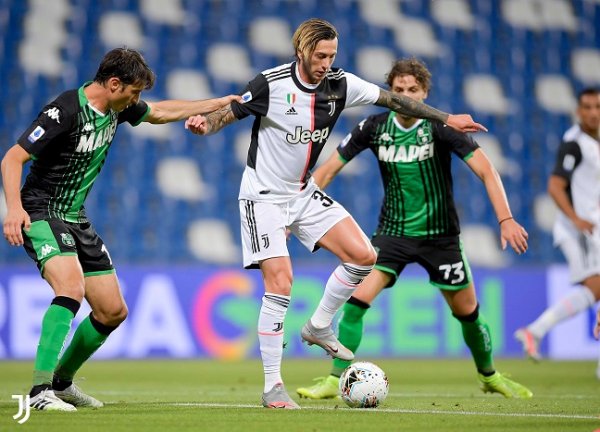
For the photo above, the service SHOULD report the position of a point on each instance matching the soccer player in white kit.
(295, 106)
(575, 187)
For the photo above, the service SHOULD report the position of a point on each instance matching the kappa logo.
(53, 113)
(47, 250)
(385, 137)
(88, 127)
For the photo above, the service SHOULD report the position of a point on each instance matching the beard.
(305, 69)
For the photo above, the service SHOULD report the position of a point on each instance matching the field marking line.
(404, 411)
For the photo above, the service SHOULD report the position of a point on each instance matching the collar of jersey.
(298, 82)
(83, 100)
(402, 128)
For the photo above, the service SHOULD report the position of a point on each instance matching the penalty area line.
(405, 411)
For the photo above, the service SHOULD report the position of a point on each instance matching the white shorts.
(582, 253)
(308, 216)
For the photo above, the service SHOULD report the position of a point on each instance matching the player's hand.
(226, 100)
(14, 222)
(597, 327)
(197, 125)
(511, 232)
(584, 226)
(464, 123)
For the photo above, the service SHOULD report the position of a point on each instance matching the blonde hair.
(309, 33)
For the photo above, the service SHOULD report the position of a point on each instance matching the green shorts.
(442, 258)
(51, 237)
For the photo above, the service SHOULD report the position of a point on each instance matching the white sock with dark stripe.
(570, 305)
(270, 336)
(340, 286)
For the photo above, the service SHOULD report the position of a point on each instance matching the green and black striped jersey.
(415, 166)
(68, 143)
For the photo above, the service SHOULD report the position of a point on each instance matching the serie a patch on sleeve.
(36, 134)
(246, 97)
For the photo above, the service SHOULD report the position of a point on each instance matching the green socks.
(479, 340)
(89, 336)
(350, 331)
(55, 328)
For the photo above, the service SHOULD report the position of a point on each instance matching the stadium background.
(166, 202)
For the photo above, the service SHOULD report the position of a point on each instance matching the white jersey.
(578, 162)
(293, 122)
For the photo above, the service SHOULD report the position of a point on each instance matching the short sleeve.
(461, 144)
(52, 121)
(134, 114)
(255, 99)
(357, 140)
(360, 92)
(567, 159)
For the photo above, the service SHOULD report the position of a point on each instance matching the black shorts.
(442, 258)
(51, 237)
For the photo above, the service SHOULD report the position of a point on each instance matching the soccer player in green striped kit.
(418, 223)
(68, 143)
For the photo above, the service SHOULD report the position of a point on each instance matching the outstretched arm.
(510, 230)
(410, 107)
(328, 170)
(174, 110)
(210, 123)
(16, 217)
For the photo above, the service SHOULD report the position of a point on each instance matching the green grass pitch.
(207, 395)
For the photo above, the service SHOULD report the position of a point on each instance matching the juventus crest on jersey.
(293, 121)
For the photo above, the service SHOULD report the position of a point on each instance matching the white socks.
(339, 288)
(570, 305)
(270, 336)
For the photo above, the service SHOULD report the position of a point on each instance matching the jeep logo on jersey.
(53, 113)
(405, 154)
(302, 136)
(91, 142)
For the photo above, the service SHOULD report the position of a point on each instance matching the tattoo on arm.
(407, 106)
(218, 119)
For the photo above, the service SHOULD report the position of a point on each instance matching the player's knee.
(72, 288)
(366, 256)
(112, 317)
(280, 283)
(121, 315)
(467, 315)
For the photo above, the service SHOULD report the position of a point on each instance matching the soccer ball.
(363, 385)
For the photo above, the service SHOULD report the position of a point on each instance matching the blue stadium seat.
(156, 226)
